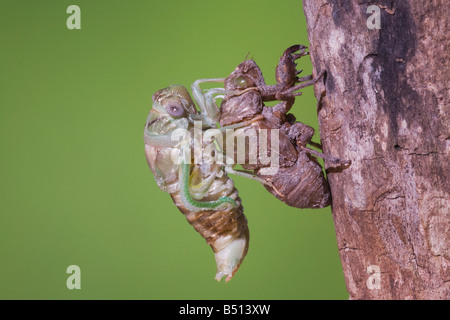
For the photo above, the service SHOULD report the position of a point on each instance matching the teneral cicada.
(202, 191)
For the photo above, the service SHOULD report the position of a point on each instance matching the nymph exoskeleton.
(202, 191)
(299, 180)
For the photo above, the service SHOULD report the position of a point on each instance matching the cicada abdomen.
(202, 192)
(223, 226)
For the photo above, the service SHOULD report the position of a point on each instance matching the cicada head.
(237, 108)
(246, 75)
(171, 107)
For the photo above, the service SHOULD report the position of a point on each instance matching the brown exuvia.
(299, 180)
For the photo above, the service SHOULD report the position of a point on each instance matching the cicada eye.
(240, 82)
(175, 109)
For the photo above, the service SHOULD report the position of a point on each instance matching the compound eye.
(175, 109)
(241, 82)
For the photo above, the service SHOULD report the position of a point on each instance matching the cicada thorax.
(224, 228)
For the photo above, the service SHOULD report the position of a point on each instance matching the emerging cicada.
(202, 191)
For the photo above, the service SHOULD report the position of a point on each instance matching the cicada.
(298, 180)
(202, 191)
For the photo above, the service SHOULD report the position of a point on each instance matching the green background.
(75, 186)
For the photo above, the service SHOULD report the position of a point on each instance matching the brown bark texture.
(384, 104)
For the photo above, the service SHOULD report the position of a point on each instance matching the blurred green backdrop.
(75, 186)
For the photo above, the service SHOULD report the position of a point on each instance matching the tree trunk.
(384, 105)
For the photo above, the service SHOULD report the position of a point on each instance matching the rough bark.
(385, 105)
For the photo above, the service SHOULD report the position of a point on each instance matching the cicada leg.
(251, 176)
(290, 91)
(303, 134)
(207, 100)
(325, 156)
(165, 140)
